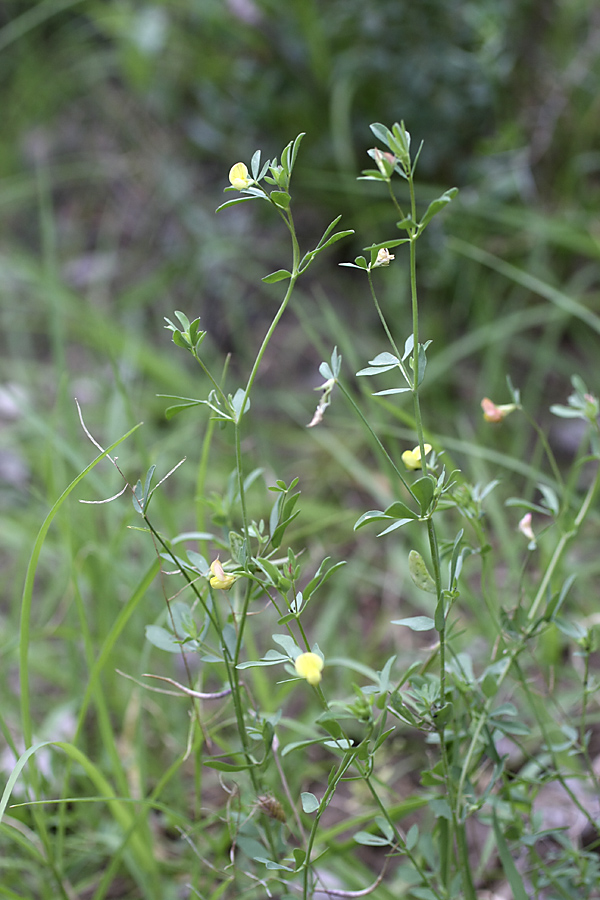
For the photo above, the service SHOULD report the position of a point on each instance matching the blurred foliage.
(120, 120)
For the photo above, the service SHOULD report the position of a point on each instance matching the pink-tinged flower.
(309, 666)
(493, 413)
(525, 527)
(220, 580)
(412, 458)
(385, 161)
(238, 176)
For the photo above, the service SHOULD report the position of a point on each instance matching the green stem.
(559, 550)
(514, 653)
(386, 327)
(259, 357)
(342, 769)
(397, 836)
(375, 436)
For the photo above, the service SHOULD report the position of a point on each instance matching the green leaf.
(383, 362)
(359, 263)
(370, 840)
(423, 492)
(234, 202)
(510, 870)
(557, 600)
(237, 546)
(271, 658)
(570, 629)
(406, 224)
(412, 836)
(288, 643)
(436, 206)
(341, 744)
(443, 715)
(174, 410)
(382, 133)
(334, 239)
(310, 804)
(385, 827)
(248, 845)
(277, 536)
(371, 175)
(163, 639)
(380, 740)
(270, 570)
(279, 275)
(389, 390)
(439, 619)
(255, 164)
(384, 675)
(416, 623)
(236, 403)
(299, 857)
(440, 808)
(550, 499)
(281, 199)
(331, 725)
(399, 523)
(386, 245)
(300, 745)
(419, 573)
(373, 515)
(227, 767)
(328, 230)
(321, 576)
(271, 864)
(183, 619)
(295, 147)
(229, 636)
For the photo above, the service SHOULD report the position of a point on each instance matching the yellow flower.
(238, 176)
(412, 458)
(493, 413)
(309, 666)
(220, 580)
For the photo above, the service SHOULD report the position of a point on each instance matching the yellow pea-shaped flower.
(220, 580)
(238, 176)
(412, 458)
(309, 666)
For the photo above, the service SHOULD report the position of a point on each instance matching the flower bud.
(493, 413)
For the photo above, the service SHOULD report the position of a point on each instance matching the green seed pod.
(419, 573)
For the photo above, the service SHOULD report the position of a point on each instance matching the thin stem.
(565, 538)
(342, 769)
(398, 837)
(259, 357)
(375, 437)
(514, 653)
(386, 327)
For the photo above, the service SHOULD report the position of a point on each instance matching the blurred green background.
(120, 121)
